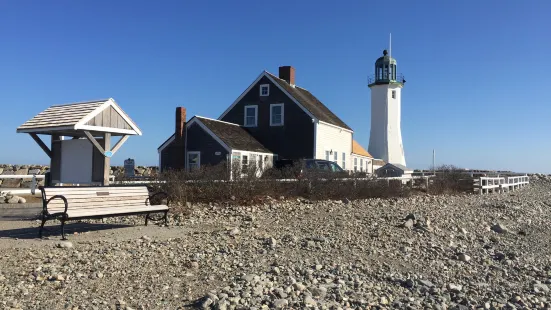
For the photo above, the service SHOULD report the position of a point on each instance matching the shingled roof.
(62, 115)
(359, 150)
(233, 135)
(310, 103)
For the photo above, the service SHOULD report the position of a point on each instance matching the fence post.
(33, 184)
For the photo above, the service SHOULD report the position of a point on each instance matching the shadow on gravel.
(54, 231)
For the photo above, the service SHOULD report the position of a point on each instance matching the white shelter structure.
(385, 140)
(80, 148)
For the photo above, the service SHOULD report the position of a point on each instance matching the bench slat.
(98, 199)
(116, 210)
(97, 193)
(96, 206)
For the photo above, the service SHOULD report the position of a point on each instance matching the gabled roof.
(357, 149)
(303, 98)
(379, 162)
(399, 166)
(232, 135)
(167, 142)
(311, 103)
(82, 116)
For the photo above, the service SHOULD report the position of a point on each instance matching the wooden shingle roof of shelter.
(359, 150)
(95, 116)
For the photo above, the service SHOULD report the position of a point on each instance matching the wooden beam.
(45, 148)
(119, 144)
(95, 142)
(107, 159)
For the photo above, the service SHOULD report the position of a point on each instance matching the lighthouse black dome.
(385, 71)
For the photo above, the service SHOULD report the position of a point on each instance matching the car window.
(336, 168)
(322, 165)
(310, 164)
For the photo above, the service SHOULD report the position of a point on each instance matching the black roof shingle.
(233, 135)
(311, 103)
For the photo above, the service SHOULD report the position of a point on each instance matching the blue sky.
(477, 72)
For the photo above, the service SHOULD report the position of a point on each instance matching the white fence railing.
(501, 184)
(34, 181)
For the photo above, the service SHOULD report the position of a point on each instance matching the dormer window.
(264, 90)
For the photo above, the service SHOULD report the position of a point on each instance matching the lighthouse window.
(393, 94)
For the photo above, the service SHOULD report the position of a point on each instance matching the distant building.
(394, 170)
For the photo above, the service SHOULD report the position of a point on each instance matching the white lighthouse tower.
(385, 140)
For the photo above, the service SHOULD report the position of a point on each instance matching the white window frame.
(361, 165)
(343, 161)
(198, 153)
(393, 94)
(267, 86)
(255, 115)
(355, 164)
(336, 157)
(282, 114)
(327, 155)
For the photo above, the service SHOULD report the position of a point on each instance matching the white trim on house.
(273, 105)
(216, 120)
(329, 124)
(197, 120)
(242, 94)
(269, 77)
(166, 143)
(267, 90)
(243, 151)
(198, 153)
(255, 115)
(315, 138)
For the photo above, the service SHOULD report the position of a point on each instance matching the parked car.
(306, 168)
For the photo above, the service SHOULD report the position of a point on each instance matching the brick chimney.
(180, 122)
(287, 73)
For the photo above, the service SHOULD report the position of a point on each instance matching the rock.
(310, 302)
(271, 242)
(541, 288)
(464, 257)
(65, 245)
(146, 238)
(280, 303)
(235, 232)
(21, 200)
(408, 224)
(499, 228)
(383, 300)
(455, 287)
(13, 200)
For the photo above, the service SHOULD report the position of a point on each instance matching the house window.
(276, 114)
(245, 163)
(193, 160)
(335, 157)
(327, 154)
(264, 90)
(361, 165)
(393, 94)
(344, 160)
(251, 115)
(355, 164)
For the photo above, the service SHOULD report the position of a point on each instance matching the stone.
(499, 228)
(280, 303)
(65, 245)
(310, 302)
(146, 238)
(383, 300)
(21, 200)
(235, 231)
(464, 257)
(13, 200)
(541, 288)
(408, 224)
(455, 287)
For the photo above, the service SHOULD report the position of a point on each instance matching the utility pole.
(433, 166)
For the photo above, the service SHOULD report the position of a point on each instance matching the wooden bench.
(82, 202)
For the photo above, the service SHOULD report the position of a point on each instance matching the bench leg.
(42, 226)
(63, 229)
(146, 218)
(166, 218)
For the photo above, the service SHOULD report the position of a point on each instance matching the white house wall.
(329, 138)
(385, 139)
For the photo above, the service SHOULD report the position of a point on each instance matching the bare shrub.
(450, 179)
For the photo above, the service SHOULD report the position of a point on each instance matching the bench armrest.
(56, 197)
(148, 200)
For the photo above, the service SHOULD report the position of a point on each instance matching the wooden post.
(107, 159)
(41, 144)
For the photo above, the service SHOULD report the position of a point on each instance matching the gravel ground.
(423, 252)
